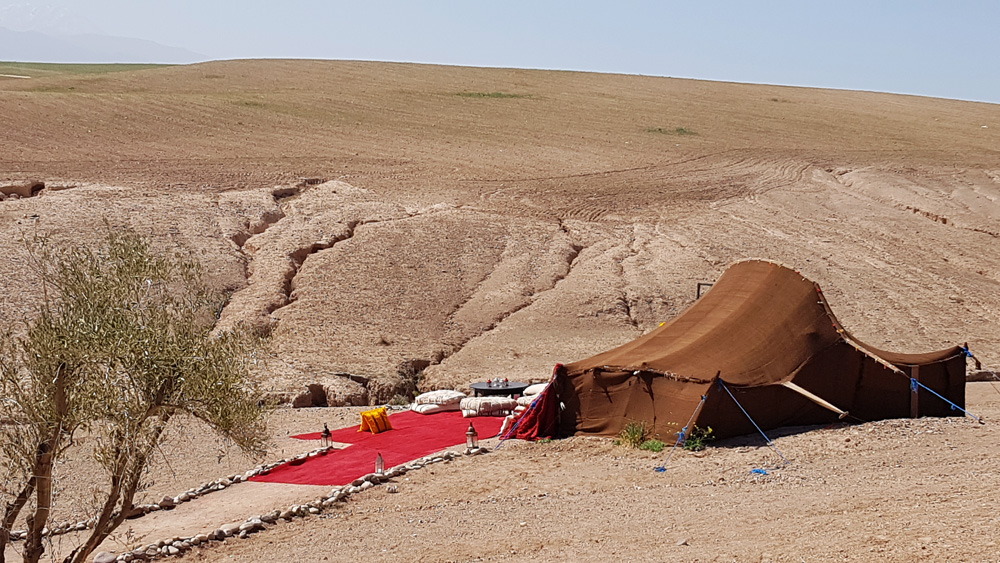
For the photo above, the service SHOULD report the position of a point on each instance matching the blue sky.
(944, 49)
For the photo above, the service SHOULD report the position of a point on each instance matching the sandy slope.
(469, 234)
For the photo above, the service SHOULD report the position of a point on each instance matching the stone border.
(176, 545)
(167, 502)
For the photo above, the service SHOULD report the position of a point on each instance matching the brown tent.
(765, 334)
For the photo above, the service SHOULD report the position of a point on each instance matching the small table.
(511, 389)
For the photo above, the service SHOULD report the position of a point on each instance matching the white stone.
(251, 527)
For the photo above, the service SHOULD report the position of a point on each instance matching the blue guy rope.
(769, 442)
(681, 436)
(913, 387)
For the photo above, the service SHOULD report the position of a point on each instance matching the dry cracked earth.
(403, 227)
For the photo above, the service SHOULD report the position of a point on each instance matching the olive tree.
(122, 343)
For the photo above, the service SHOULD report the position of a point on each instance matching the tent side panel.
(881, 393)
(601, 403)
(833, 375)
(770, 406)
(946, 377)
(674, 402)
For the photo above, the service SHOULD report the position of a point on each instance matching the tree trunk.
(10, 515)
(44, 460)
(11, 512)
(33, 548)
(124, 483)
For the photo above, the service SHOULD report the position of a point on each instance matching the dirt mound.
(18, 190)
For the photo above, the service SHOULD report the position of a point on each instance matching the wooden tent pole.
(815, 398)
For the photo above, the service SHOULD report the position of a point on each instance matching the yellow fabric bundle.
(375, 421)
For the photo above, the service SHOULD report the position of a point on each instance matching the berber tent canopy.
(766, 335)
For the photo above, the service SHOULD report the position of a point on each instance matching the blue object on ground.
(759, 471)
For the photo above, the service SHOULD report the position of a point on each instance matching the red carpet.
(413, 435)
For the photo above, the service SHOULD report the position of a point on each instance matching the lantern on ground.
(324, 436)
(471, 438)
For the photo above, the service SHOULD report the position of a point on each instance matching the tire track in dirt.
(599, 173)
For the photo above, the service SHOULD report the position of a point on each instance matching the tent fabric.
(540, 420)
(760, 325)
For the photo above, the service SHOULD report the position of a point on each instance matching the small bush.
(652, 445)
(632, 435)
(543, 441)
(399, 400)
(676, 131)
(698, 439)
(490, 95)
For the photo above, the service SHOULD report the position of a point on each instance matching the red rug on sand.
(413, 435)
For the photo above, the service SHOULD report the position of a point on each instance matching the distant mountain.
(48, 18)
(33, 46)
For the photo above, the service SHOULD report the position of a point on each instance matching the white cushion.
(440, 397)
(535, 389)
(429, 408)
(526, 400)
(487, 406)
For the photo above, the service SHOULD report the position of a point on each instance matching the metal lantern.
(324, 436)
(471, 437)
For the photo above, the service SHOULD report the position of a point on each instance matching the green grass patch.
(652, 446)
(490, 95)
(41, 70)
(53, 88)
(698, 439)
(675, 131)
(632, 435)
(399, 400)
(249, 103)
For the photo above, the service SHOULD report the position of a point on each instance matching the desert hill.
(399, 225)
(394, 226)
